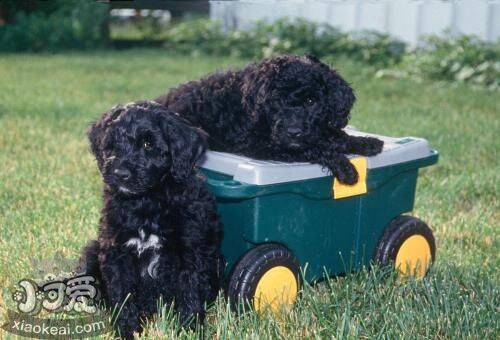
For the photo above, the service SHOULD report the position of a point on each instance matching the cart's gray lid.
(251, 171)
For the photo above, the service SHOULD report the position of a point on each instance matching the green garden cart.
(279, 217)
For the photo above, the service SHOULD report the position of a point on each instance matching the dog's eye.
(147, 145)
(309, 102)
(330, 124)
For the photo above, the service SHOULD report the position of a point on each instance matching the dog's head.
(300, 98)
(140, 145)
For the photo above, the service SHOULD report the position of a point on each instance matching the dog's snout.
(123, 174)
(294, 132)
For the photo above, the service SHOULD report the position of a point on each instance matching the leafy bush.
(195, 36)
(72, 25)
(460, 59)
(283, 36)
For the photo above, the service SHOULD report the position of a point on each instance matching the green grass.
(50, 192)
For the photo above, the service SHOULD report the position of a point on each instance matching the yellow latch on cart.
(341, 190)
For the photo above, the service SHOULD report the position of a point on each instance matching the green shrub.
(283, 36)
(195, 36)
(459, 59)
(73, 25)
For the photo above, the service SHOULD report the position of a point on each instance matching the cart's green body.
(336, 235)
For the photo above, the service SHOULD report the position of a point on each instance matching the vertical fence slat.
(494, 23)
(472, 17)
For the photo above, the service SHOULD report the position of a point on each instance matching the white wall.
(408, 20)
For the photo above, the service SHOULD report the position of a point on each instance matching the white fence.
(408, 20)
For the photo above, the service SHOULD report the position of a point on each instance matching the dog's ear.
(96, 132)
(257, 87)
(341, 100)
(187, 145)
(312, 58)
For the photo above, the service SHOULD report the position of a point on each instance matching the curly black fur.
(286, 108)
(159, 233)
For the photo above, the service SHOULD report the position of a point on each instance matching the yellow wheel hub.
(414, 257)
(277, 287)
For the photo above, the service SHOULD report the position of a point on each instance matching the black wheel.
(408, 244)
(266, 276)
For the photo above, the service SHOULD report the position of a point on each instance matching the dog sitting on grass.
(159, 233)
(287, 108)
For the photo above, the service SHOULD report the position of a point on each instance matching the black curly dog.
(286, 108)
(159, 232)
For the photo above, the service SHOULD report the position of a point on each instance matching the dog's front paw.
(126, 331)
(190, 317)
(346, 173)
(373, 146)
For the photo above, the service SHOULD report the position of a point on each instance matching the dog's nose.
(122, 173)
(294, 132)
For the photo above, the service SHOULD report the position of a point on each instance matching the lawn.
(50, 192)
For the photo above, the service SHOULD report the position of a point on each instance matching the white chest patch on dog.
(152, 268)
(141, 243)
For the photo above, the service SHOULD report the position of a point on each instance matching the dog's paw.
(189, 317)
(373, 146)
(346, 173)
